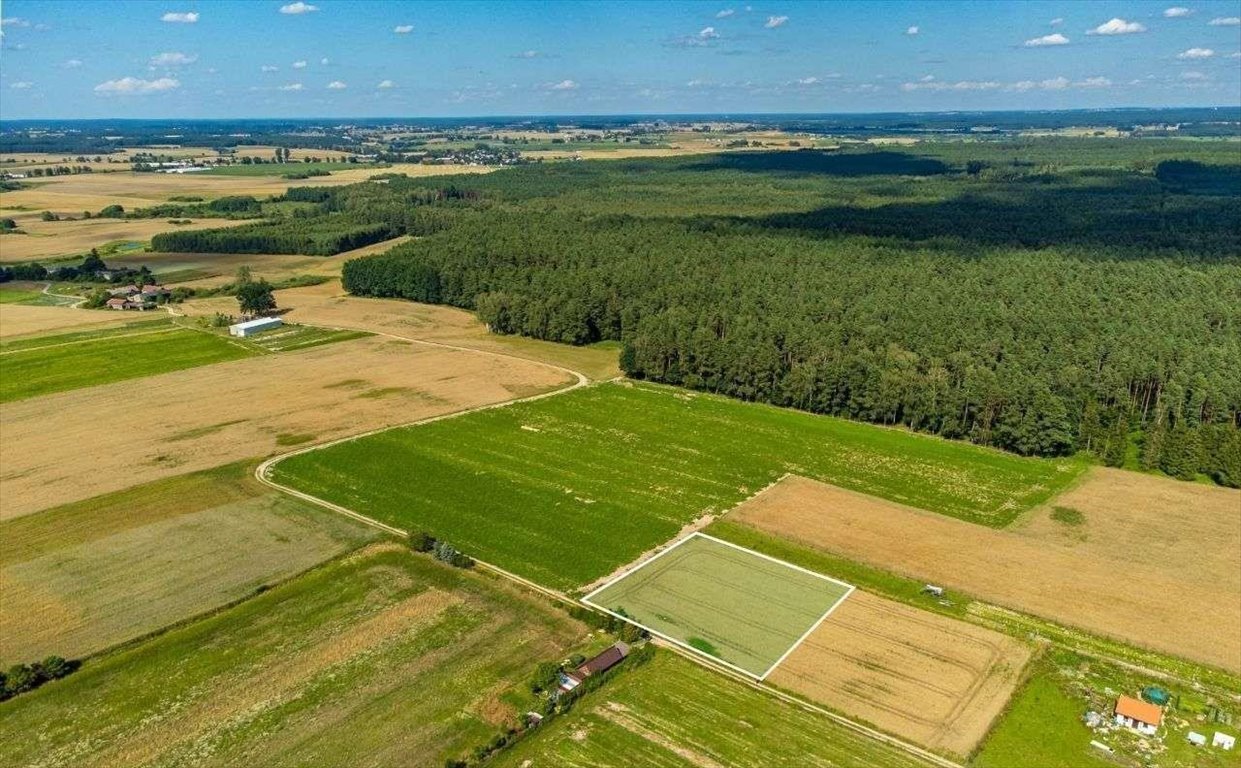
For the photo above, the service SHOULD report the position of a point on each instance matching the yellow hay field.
(110, 437)
(1189, 608)
(933, 680)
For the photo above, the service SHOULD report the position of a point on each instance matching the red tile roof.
(1144, 712)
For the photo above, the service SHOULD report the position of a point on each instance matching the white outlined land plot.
(737, 606)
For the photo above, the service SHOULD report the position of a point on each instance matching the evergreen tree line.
(323, 236)
(1040, 344)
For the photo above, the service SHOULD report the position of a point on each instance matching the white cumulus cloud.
(13, 21)
(180, 18)
(268, 68)
(1225, 21)
(336, 85)
(1176, 12)
(72, 64)
(776, 21)
(385, 84)
(564, 85)
(403, 29)
(526, 55)
(299, 64)
(1117, 27)
(912, 31)
(1196, 53)
(294, 9)
(1056, 21)
(173, 59)
(808, 80)
(724, 14)
(708, 33)
(1193, 76)
(291, 87)
(20, 85)
(1094, 82)
(136, 85)
(325, 61)
(1053, 39)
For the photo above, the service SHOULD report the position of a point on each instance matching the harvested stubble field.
(619, 468)
(87, 576)
(23, 320)
(930, 679)
(1189, 608)
(328, 305)
(735, 605)
(52, 239)
(64, 362)
(675, 714)
(382, 653)
(214, 415)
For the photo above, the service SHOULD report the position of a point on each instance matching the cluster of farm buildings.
(136, 298)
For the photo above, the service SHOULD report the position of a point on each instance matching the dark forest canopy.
(1042, 296)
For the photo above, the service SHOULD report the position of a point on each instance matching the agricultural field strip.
(699, 535)
(3, 351)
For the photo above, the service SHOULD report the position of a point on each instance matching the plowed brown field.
(933, 680)
(1187, 606)
(74, 445)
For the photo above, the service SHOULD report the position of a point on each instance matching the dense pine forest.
(1042, 296)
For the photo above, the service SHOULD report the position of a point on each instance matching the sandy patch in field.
(329, 306)
(934, 680)
(1177, 529)
(21, 319)
(74, 445)
(1188, 611)
(46, 239)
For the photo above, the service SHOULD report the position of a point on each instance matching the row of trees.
(1024, 329)
(321, 236)
(20, 678)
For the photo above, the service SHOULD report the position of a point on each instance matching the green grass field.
(17, 296)
(1042, 729)
(381, 658)
(184, 546)
(671, 713)
(62, 362)
(734, 605)
(566, 489)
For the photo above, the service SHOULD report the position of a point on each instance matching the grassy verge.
(566, 489)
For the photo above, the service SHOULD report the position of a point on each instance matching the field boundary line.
(839, 719)
(585, 599)
(172, 329)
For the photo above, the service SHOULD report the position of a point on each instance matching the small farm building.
(1138, 715)
(1197, 739)
(251, 327)
(603, 662)
(1223, 741)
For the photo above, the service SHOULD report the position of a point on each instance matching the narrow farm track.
(263, 474)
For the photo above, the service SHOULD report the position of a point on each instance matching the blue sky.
(334, 58)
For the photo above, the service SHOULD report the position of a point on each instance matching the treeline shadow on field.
(810, 162)
(1110, 216)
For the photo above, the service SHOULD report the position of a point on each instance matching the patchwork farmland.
(1191, 610)
(734, 605)
(672, 712)
(217, 414)
(378, 653)
(567, 489)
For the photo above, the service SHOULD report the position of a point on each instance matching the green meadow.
(62, 362)
(566, 489)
